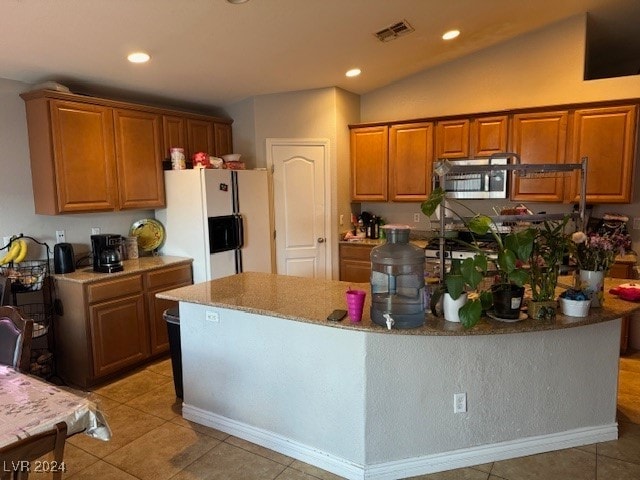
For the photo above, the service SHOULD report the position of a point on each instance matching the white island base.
(379, 405)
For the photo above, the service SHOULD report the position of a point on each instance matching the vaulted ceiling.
(212, 52)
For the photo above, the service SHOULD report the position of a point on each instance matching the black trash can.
(172, 317)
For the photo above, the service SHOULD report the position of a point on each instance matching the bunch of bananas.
(17, 251)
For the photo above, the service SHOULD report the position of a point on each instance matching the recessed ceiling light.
(237, 2)
(354, 72)
(451, 34)
(138, 57)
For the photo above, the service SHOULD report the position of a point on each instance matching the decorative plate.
(150, 233)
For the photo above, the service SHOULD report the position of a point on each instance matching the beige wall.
(321, 113)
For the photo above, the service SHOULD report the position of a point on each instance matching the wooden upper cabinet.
(410, 161)
(196, 135)
(200, 137)
(606, 136)
(489, 135)
(539, 138)
(475, 137)
(223, 139)
(139, 159)
(80, 175)
(174, 132)
(369, 163)
(452, 139)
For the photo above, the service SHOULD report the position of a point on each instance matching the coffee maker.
(107, 256)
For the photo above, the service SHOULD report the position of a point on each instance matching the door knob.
(320, 240)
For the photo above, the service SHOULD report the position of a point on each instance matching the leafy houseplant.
(512, 250)
(463, 273)
(549, 247)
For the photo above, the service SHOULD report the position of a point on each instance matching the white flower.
(578, 237)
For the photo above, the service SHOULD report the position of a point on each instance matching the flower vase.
(593, 282)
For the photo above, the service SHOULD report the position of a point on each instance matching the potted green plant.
(464, 275)
(513, 250)
(550, 245)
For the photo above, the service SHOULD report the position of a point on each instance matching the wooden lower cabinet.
(155, 282)
(118, 334)
(623, 269)
(355, 263)
(113, 324)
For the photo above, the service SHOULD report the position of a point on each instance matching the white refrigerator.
(220, 218)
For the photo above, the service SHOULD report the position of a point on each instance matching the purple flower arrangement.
(597, 252)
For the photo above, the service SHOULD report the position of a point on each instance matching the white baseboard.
(407, 467)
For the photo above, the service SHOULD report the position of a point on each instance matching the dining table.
(30, 405)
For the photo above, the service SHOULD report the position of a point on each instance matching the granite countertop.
(136, 265)
(422, 243)
(311, 300)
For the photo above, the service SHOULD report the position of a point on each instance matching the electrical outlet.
(60, 236)
(459, 402)
(636, 223)
(416, 217)
(95, 230)
(212, 316)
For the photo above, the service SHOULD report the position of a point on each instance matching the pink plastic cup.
(355, 304)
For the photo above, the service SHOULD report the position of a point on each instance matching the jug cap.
(395, 227)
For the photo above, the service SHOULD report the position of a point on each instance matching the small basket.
(26, 276)
(41, 316)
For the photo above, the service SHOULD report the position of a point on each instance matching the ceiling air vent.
(394, 31)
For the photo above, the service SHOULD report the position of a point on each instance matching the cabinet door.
(452, 139)
(606, 136)
(174, 132)
(355, 263)
(159, 281)
(118, 334)
(139, 159)
(200, 137)
(410, 161)
(84, 158)
(489, 135)
(369, 164)
(539, 138)
(223, 139)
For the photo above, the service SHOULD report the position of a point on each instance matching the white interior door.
(300, 172)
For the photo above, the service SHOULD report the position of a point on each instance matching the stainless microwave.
(475, 184)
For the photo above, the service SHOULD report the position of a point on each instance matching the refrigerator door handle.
(240, 230)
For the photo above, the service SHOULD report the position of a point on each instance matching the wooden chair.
(15, 338)
(18, 457)
(5, 290)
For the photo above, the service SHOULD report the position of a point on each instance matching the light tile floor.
(152, 441)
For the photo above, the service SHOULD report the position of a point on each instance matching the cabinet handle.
(320, 240)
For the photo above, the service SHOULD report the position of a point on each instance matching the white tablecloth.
(29, 406)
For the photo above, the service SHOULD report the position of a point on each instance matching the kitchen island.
(261, 362)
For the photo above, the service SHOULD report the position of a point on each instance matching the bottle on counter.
(397, 280)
